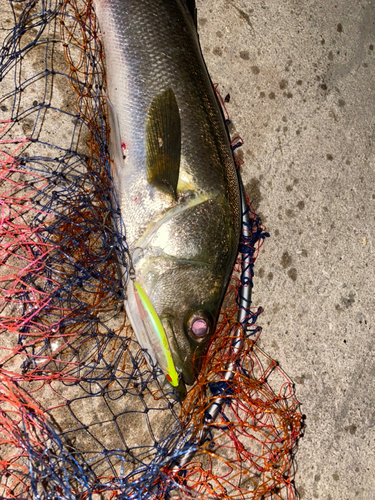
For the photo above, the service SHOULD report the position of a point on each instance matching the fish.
(174, 179)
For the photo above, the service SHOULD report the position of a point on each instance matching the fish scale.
(175, 179)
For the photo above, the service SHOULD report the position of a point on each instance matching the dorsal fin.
(192, 9)
(163, 143)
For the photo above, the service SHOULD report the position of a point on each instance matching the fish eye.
(199, 326)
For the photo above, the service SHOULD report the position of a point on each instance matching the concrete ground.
(300, 75)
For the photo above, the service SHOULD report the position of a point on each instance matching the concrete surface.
(300, 77)
(301, 80)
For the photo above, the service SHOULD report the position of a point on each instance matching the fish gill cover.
(82, 415)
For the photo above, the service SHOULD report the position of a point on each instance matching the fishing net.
(82, 414)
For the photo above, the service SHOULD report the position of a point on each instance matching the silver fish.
(174, 177)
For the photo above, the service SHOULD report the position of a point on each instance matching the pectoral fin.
(163, 143)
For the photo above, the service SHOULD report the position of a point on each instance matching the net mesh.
(82, 414)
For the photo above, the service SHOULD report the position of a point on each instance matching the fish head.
(182, 268)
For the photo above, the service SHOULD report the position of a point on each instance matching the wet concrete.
(301, 81)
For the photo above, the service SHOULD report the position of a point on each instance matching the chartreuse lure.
(167, 364)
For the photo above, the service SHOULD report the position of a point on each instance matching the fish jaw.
(177, 290)
(183, 267)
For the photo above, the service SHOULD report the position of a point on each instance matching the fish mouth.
(177, 393)
(184, 367)
(157, 337)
